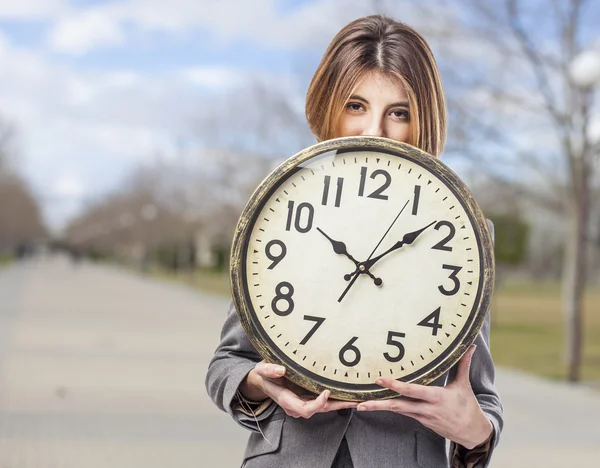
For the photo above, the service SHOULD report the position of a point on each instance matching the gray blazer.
(375, 439)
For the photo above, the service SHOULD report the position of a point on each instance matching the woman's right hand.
(268, 381)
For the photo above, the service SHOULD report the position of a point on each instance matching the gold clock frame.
(243, 230)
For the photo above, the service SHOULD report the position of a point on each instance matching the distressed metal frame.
(246, 221)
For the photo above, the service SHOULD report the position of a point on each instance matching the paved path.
(103, 368)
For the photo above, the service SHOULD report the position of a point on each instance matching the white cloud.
(78, 33)
(93, 124)
(211, 77)
(82, 130)
(80, 92)
(68, 186)
(262, 23)
(121, 79)
(4, 43)
(311, 23)
(32, 9)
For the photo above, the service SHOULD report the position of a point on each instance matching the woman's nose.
(374, 127)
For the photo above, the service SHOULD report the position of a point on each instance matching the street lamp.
(585, 69)
(584, 74)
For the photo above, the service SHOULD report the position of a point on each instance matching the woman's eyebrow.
(399, 104)
(356, 97)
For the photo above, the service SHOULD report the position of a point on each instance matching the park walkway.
(100, 367)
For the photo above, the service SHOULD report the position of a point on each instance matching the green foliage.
(5, 259)
(511, 235)
(222, 259)
(174, 257)
(166, 256)
(98, 256)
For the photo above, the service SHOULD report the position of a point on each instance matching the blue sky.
(96, 88)
(153, 50)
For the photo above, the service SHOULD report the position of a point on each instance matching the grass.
(210, 281)
(528, 331)
(527, 326)
(5, 260)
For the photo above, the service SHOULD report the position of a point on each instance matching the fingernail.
(361, 408)
(279, 370)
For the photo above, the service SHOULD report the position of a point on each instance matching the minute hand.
(408, 238)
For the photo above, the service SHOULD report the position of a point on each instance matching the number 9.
(275, 258)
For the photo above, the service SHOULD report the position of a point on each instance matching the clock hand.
(340, 248)
(360, 268)
(349, 286)
(408, 238)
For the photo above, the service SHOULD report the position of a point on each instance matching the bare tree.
(235, 145)
(261, 118)
(518, 116)
(132, 220)
(20, 216)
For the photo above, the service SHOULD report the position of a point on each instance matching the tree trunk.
(575, 276)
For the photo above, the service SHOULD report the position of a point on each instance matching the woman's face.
(378, 107)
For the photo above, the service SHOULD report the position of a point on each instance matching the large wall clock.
(362, 257)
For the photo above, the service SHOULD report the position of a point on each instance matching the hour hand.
(338, 247)
(408, 238)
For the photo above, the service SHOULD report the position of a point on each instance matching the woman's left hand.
(452, 411)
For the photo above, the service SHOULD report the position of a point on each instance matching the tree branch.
(537, 64)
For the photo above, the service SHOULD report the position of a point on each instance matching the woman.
(378, 77)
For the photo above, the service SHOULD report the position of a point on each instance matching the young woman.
(378, 77)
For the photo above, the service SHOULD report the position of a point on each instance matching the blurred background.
(132, 134)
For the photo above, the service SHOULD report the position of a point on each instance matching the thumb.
(464, 366)
(269, 371)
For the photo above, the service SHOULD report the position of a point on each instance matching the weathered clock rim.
(242, 302)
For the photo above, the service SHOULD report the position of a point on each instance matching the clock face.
(361, 262)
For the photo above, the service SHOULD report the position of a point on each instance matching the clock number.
(415, 206)
(433, 321)
(441, 245)
(397, 344)
(349, 347)
(302, 207)
(453, 277)
(275, 258)
(338, 193)
(285, 297)
(363, 176)
(377, 193)
(319, 321)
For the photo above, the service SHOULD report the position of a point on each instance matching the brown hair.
(378, 43)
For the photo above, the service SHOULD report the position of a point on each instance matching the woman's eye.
(354, 106)
(401, 114)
